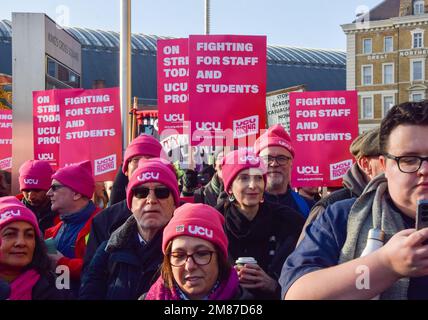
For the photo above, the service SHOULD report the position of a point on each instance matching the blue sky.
(302, 23)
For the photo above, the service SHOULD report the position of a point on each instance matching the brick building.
(387, 49)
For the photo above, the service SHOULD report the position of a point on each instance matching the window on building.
(367, 112)
(388, 73)
(418, 40)
(388, 45)
(367, 46)
(387, 103)
(418, 7)
(417, 70)
(417, 96)
(367, 75)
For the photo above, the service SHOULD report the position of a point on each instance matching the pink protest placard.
(323, 125)
(173, 81)
(227, 89)
(5, 139)
(91, 129)
(46, 119)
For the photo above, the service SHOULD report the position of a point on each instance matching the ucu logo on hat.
(148, 176)
(31, 181)
(9, 214)
(200, 231)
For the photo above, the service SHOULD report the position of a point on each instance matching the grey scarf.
(371, 210)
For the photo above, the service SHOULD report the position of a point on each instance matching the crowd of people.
(155, 235)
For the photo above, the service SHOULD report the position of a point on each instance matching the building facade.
(387, 50)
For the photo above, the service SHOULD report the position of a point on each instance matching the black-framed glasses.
(281, 160)
(201, 258)
(56, 187)
(143, 192)
(407, 164)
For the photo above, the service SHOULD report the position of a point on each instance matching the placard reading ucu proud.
(323, 125)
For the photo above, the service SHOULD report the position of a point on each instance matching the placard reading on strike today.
(227, 88)
(46, 119)
(323, 126)
(173, 84)
(91, 129)
(5, 139)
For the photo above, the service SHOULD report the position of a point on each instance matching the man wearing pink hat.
(34, 182)
(124, 267)
(111, 218)
(276, 149)
(70, 193)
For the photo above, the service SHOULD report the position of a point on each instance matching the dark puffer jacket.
(122, 268)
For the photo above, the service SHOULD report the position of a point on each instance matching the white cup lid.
(244, 260)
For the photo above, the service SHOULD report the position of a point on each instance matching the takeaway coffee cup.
(241, 261)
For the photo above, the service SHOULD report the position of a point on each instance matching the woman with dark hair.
(256, 228)
(24, 263)
(195, 265)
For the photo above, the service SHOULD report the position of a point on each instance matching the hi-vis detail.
(200, 231)
(309, 170)
(208, 126)
(174, 117)
(245, 127)
(31, 181)
(10, 213)
(148, 176)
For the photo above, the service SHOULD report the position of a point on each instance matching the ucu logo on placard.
(173, 117)
(308, 170)
(200, 231)
(208, 126)
(31, 181)
(10, 213)
(148, 176)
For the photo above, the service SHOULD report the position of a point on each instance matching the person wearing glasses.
(70, 194)
(34, 182)
(195, 263)
(331, 261)
(275, 148)
(125, 266)
(254, 227)
(25, 267)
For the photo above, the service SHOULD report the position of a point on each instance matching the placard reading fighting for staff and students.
(87, 127)
(173, 84)
(227, 88)
(5, 139)
(323, 125)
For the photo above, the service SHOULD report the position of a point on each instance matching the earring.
(262, 200)
(231, 198)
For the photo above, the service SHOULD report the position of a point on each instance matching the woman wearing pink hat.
(195, 264)
(256, 228)
(24, 263)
